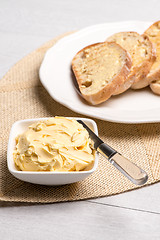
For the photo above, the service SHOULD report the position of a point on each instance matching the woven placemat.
(22, 96)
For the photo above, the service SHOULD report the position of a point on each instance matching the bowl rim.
(12, 138)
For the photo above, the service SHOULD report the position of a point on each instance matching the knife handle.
(126, 167)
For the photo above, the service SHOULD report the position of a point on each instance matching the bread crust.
(153, 75)
(107, 91)
(155, 87)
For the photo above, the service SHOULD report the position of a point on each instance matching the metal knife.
(134, 173)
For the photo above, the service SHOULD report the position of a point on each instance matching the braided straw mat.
(22, 96)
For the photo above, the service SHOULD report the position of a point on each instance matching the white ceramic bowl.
(45, 178)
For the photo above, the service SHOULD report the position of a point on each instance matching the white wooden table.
(24, 26)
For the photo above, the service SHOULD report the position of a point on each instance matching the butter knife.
(130, 170)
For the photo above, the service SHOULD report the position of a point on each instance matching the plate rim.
(74, 107)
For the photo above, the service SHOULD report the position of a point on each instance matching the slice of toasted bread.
(142, 54)
(155, 87)
(153, 33)
(100, 69)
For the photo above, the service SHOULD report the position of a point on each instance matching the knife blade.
(129, 169)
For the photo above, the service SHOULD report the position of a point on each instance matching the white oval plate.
(139, 106)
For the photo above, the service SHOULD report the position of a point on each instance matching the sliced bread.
(155, 87)
(142, 54)
(153, 33)
(100, 69)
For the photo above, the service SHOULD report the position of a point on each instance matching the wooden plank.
(77, 220)
(146, 199)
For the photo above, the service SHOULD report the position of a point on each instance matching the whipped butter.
(55, 144)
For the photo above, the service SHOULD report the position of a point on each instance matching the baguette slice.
(100, 69)
(142, 54)
(153, 76)
(155, 87)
